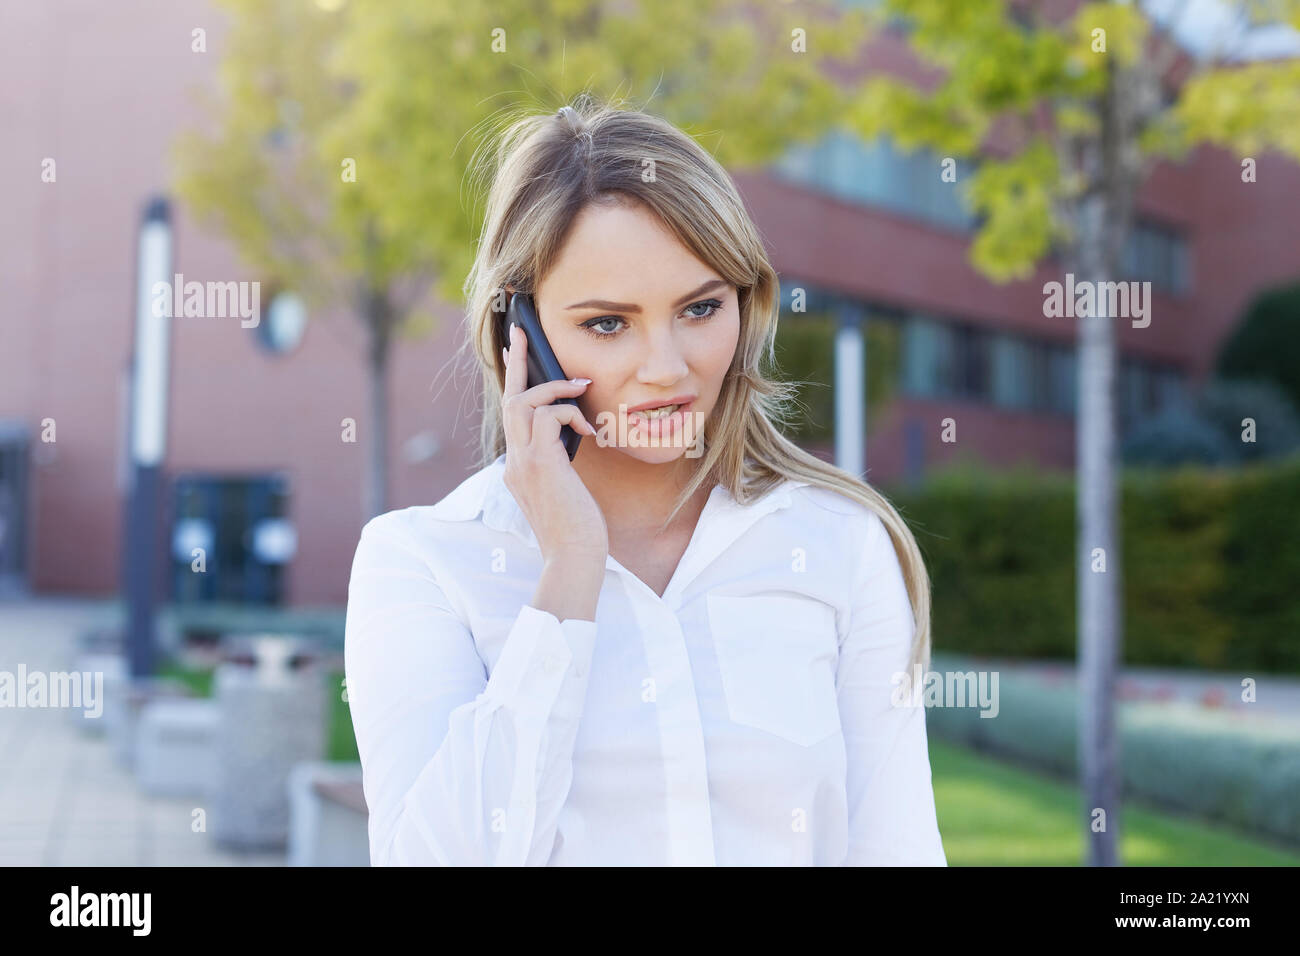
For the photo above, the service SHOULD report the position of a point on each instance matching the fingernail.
(580, 381)
(505, 357)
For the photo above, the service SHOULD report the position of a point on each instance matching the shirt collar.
(485, 493)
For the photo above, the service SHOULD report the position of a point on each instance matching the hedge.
(1245, 773)
(1210, 565)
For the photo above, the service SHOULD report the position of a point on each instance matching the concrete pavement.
(64, 799)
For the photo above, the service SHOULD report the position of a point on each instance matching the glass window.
(1040, 377)
(1010, 371)
(1063, 384)
(1157, 255)
(973, 347)
(241, 523)
(928, 357)
(881, 174)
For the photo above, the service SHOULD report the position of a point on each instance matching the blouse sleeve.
(892, 819)
(457, 769)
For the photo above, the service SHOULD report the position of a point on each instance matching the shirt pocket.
(777, 657)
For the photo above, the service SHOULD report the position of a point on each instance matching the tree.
(1082, 97)
(336, 154)
(1262, 346)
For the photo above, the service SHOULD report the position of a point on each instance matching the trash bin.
(125, 698)
(270, 695)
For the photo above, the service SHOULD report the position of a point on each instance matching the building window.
(973, 353)
(231, 538)
(948, 360)
(879, 174)
(1063, 380)
(929, 358)
(1011, 372)
(1157, 255)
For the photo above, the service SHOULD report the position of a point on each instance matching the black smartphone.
(542, 363)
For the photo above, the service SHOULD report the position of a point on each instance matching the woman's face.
(629, 307)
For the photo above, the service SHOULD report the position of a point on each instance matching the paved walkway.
(64, 799)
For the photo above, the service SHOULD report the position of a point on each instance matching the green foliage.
(1263, 345)
(805, 350)
(1246, 109)
(1242, 773)
(1208, 567)
(998, 552)
(1226, 404)
(1015, 65)
(805, 353)
(1178, 435)
(407, 89)
(435, 79)
(1262, 563)
(1210, 430)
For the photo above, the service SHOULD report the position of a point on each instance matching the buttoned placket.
(721, 522)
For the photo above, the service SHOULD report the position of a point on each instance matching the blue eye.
(595, 322)
(711, 305)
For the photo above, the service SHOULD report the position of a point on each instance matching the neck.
(635, 496)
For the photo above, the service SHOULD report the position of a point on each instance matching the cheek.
(717, 351)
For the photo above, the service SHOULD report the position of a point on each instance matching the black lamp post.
(147, 434)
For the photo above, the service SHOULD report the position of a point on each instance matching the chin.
(654, 456)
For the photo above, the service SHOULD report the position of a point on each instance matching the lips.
(670, 422)
(675, 400)
(656, 414)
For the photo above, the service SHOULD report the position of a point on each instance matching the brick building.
(254, 421)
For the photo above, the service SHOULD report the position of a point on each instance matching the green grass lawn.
(340, 741)
(996, 814)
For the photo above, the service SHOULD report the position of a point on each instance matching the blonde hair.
(546, 169)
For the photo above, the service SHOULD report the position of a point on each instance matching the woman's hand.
(561, 511)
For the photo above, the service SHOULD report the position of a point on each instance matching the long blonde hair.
(546, 169)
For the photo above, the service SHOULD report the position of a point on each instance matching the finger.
(515, 414)
(548, 419)
(549, 392)
(516, 361)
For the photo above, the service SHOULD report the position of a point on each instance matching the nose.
(662, 363)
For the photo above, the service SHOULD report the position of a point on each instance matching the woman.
(663, 652)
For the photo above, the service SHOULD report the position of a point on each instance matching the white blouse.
(744, 718)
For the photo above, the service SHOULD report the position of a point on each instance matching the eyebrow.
(632, 307)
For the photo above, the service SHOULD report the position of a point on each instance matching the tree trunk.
(1097, 591)
(1102, 220)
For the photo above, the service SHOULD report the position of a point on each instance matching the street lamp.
(147, 440)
